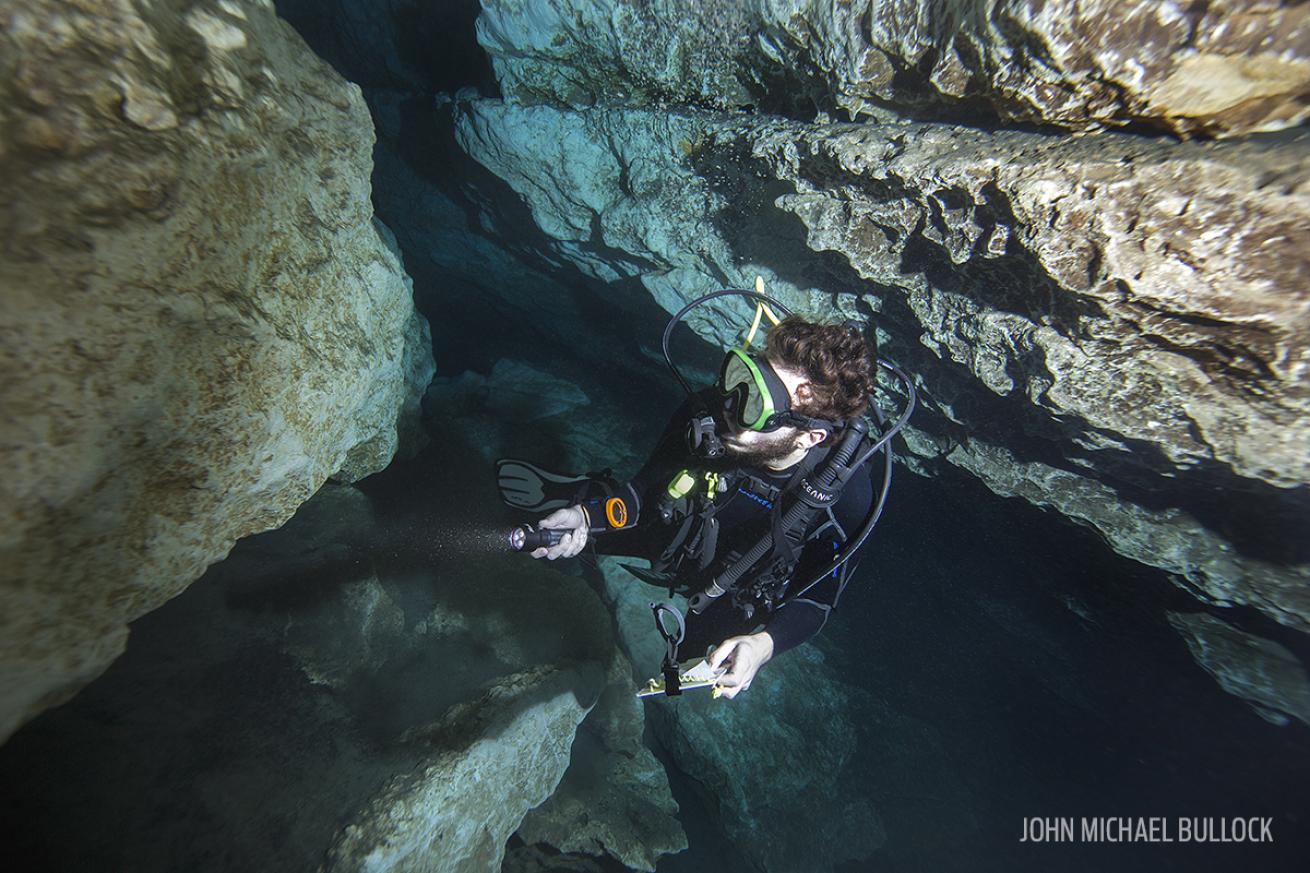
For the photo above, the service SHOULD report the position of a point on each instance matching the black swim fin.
(529, 488)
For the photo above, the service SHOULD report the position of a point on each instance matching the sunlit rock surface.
(202, 321)
(1218, 68)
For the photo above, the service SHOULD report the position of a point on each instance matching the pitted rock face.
(201, 320)
(1112, 327)
(1220, 68)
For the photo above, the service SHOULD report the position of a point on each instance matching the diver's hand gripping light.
(525, 538)
(602, 514)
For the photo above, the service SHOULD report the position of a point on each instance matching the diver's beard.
(761, 452)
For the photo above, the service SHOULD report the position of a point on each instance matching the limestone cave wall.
(200, 318)
(1105, 318)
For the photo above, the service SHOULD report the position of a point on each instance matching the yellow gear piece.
(760, 310)
(681, 484)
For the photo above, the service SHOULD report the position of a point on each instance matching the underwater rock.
(1134, 359)
(1261, 672)
(492, 407)
(1138, 307)
(540, 859)
(366, 41)
(771, 763)
(334, 683)
(201, 320)
(615, 798)
(1221, 68)
(515, 391)
(459, 808)
(481, 693)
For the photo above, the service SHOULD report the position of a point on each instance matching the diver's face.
(763, 447)
(758, 447)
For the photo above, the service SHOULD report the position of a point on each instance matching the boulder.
(615, 798)
(456, 811)
(202, 321)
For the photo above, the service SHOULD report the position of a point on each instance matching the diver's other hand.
(573, 521)
(743, 656)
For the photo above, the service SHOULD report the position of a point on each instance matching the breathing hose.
(835, 473)
(812, 498)
(673, 322)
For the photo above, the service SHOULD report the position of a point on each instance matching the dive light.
(602, 514)
(526, 538)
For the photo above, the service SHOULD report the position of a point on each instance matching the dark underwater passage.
(988, 664)
(284, 281)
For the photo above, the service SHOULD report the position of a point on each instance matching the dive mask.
(756, 398)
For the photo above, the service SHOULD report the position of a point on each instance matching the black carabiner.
(672, 682)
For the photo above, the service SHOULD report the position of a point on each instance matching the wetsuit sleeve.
(796, 623)
(668, 456)
(798, 620)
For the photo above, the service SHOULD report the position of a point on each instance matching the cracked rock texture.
(1219, 68)
(201, 320)
(1115, 328)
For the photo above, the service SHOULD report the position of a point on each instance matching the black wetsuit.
(743, 518)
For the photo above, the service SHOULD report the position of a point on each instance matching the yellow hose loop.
(760, 309)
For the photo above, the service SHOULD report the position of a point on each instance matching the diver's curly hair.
(834, 358)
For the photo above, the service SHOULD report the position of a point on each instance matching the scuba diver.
(753, 503)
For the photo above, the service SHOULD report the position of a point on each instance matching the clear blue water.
(1009, 664)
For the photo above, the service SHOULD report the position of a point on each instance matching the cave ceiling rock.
(1152, 289)
(1168, 538)
(201, 321)
(627, 177)
(1220, 68)
(1010, 272)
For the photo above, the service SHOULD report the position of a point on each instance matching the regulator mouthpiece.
(703, 437)
(526, 539)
